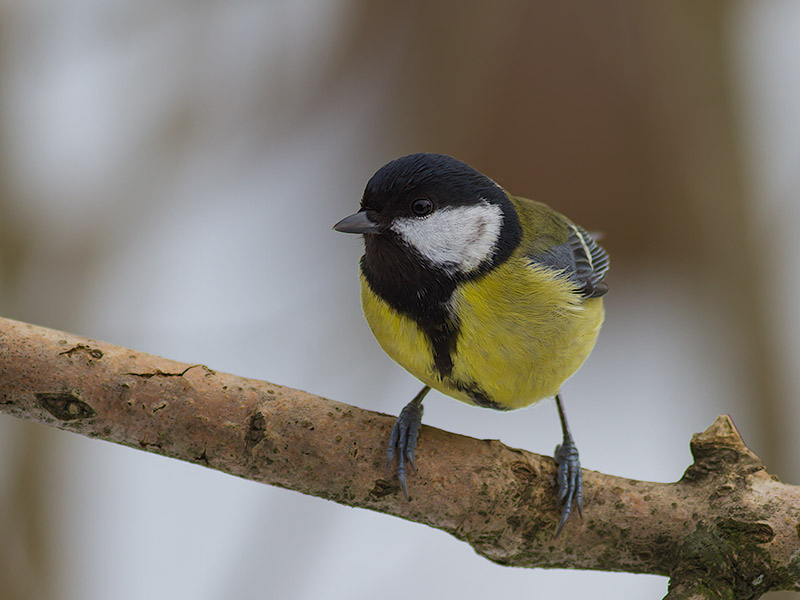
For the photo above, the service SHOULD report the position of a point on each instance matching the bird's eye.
(421, 207)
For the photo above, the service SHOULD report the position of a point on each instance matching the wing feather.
(581, 259)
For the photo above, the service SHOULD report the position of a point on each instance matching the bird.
(489, 298)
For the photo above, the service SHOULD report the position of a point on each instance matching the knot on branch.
(65, 406)
(720, 451)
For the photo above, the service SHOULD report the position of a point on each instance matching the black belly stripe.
(478, 396)
(443, 341)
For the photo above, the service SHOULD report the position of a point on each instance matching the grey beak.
(358, 223)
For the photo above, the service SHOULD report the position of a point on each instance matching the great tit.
(489, 298)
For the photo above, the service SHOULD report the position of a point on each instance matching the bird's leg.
(568, 476)
(404, 437)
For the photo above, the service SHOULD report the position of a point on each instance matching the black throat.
(415, 290)
(403, 279)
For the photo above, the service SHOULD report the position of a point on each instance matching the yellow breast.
(522, 332)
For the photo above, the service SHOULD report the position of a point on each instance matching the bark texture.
(727, 529)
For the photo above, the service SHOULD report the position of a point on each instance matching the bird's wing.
(581, 258)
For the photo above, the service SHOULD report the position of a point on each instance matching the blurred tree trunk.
(27, 564)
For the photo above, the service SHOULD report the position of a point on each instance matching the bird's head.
(437, 211)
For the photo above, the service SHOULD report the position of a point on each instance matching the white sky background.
(220, 251)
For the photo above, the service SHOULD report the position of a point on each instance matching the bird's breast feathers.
(520, 331)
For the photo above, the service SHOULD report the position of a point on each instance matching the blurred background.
(169, 175)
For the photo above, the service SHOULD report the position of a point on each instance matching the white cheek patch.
(457, 238)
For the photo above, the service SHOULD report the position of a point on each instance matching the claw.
(403, 438)
(569, 479)
(569, 476)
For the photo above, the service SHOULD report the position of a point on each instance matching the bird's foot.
(403, 440)
(569, 479)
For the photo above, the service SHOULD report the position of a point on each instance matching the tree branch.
(726, 529)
